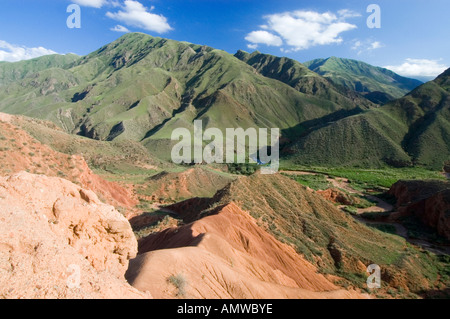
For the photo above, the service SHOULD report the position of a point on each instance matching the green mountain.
(10, 72)
(413, 130)
(140, 88)
(376, 84)
(298, 76)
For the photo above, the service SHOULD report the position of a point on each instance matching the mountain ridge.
(364, 78)
(141, 87)
(412, 130)
(299, 77)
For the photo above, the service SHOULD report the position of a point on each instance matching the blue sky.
(413, 39)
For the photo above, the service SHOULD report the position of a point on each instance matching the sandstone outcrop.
(57, 240)
(429, 201)
(337, 196)
(226, 255)
(19, 151)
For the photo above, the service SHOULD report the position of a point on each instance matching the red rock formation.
(336, 196)
(226, 255)
(21, 152)
(427, 200)
(58, 240)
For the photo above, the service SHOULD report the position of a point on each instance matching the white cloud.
(252, 46)
(375, 45)
(366, 46)
(91, 3)
(418, 68)
(301, 30)
(12, 53)
(134, 14)
(357, 45)
(120, 28)
(114, 3)
(264, 37)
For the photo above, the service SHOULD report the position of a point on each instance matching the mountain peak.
(242, 55)
(131, 35)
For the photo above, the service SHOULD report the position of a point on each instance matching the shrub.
(179, 281)
(61, 174)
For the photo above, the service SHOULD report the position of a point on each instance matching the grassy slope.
(126, 161)
(10, 72)
(428, 110)
(140, 88)
(302, 79)
(369, 139)
(413, 130)
(130, 163)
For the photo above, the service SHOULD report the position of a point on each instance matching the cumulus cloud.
(12, 53)
(263, 37)
(301, 30)
(91, 3)
(120, 28)
(418, 68)
(134, 14)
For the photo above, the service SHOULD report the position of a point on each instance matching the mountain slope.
(427, 112)
(10, 72)
(413, 130)
(302, 79)
(140, 88)
(377, 84)
(19, 151)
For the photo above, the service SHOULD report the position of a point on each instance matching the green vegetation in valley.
(242, 169)
(418, 230)
(314, 181)
(363, 179)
